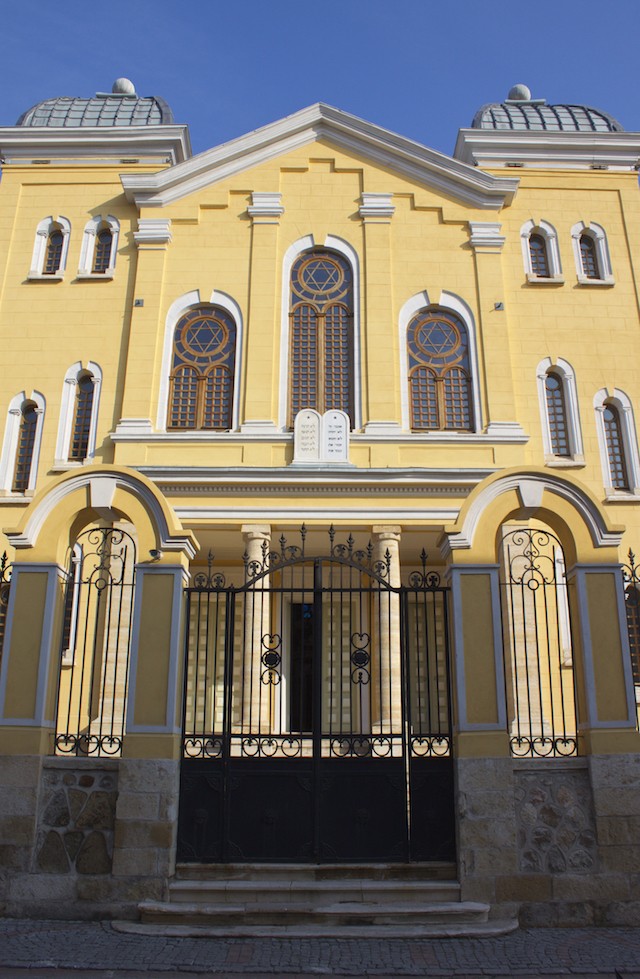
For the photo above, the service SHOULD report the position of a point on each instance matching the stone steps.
(315, 900)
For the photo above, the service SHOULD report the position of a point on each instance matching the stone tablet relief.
(307, 436)
(335, 436)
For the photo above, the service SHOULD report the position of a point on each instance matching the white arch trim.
(88, 247)
(530, 488)
(564, 370)
(11, 435)
(304, 244)
(599, 237)
(177, 309)
(67, 407)
(454, 303)
(622, 402)
(43, 230)
(102, 487)
(550, 236)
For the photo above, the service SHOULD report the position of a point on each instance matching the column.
(386, 541)
(262, 336)
(261, 659)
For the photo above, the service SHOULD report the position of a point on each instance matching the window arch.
(440, 395)
(540, 252)
(321, 318)
(50, 248)
(202, 375)
(22, 438)
(591, 253)
(618, 443)
(79, 414)
(561, 431)
(99, 247)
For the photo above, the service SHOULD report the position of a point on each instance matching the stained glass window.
(321, 313)
(202, 371)
(439, 372)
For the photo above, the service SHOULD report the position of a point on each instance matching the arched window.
(82, 417)
(21, 447)
(561, 433)
(321, 334)
(202, 371)
(439, 372)
(618, 442)
(540, 252)
(99, 248)
(26, 446)
(539, 257)
(615, 447)
(591, 253)
(50, 248)
(77, 430)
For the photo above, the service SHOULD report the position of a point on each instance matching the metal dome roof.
(122, 107)
(535, 115)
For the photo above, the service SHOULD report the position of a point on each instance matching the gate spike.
(245, 558)
(369, 552)
(350, 543)
(303, 536)
(423, 558)
(283, 543)
(332, 535)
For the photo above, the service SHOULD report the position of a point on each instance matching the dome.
(121, 107)
(520, 112)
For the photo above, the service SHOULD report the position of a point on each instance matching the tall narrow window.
(321, 314)
(102, 254)
(202, 371)
(439, 372)
(615, 448)
(25, 448)
(589, 257)
(539, 257)
(53, 255)
(83, 413)
(557, 415)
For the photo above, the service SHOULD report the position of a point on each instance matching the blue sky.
(418, 67)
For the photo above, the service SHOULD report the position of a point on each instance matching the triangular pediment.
(320, 122)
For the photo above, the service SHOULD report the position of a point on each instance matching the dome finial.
(519, 93)
(123, 86)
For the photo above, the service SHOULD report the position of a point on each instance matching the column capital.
(256, 531)
(386, 532)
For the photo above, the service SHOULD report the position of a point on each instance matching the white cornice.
(572, 151)
(96, 144)
(402, 156)
(275, 514)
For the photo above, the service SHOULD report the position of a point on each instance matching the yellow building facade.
(319, 478)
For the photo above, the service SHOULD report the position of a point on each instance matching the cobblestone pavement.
(43, 949)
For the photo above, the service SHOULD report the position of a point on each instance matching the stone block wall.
(85, 838)
(555, 841)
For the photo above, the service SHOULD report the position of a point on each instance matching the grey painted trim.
(454, 575)
(53, 572)
(180, 576)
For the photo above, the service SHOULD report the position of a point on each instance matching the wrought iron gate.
(316, 712)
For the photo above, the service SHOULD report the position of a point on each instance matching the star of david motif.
(438, 339)
(321, 276)
(204, 337)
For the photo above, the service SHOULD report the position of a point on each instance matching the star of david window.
(202, 371)
(439, 372)
(321, 352)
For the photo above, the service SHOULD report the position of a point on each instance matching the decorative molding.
(402, 156)
(485, 236)
(506, 431)
(622, 403)
(263, 428)
(551, 150)
(153, 231)
(132, 429)
(386, 430)
(564, 371)
(376, 206)
(96, 145)
(599, 238)
(265, 205)
(332, 512)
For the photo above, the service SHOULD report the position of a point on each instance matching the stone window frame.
(44, 230)
(564, 371)
(67, 414)
(88, 247)
(546, 231)
(622, 403)
(603, 259)
(10, 444)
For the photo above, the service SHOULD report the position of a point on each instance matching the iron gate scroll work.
(316, 712)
